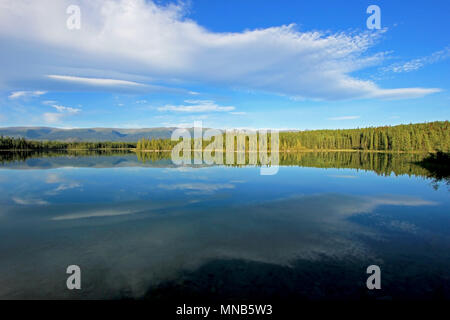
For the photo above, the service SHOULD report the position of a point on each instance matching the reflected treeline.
(7, 157)
(149, 157)
(380, 163)
(438, 166)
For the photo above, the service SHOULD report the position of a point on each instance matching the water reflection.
(149, 230)
(381, 163)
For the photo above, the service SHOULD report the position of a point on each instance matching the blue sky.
(244, 64)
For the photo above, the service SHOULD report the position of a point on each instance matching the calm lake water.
(139, 227)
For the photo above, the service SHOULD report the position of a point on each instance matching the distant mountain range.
(88, 134)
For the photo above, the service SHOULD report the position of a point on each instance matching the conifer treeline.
(7, 143)
(426, 137)
(431, 136)
(155, 144)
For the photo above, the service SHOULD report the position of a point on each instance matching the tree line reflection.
(381, 163)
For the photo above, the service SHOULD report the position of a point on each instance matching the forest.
(8, 143)
(421, 137)
(428, 137)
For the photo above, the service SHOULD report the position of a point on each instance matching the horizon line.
(233, 128)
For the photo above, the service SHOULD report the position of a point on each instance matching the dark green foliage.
(156, 144)
(7, 143)
(438, 166)
(431, 136)
(383, 163)
(423, 137)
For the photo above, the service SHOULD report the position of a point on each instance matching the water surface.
(140, 227)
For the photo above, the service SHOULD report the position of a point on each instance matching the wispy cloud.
(197, 188)
(52, 117)
(94, 214)
(342, 176)
(63, 111)
(29, 201)
(26, 94)
(238, 113)
(197, 106)
(53, 178)
(49, 102)
(344, 118)
(150, 41)
(63, 187)
(95, 81)
(66, 109)
(416, 64)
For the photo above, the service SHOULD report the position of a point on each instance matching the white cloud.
(238, 113)
(53, 178)
(418, 63)
(51, 117)
(94, 214)
(393, 94)
(177, 124)
(57, 117)
(144, 40)
(197, 188)
(403, 201)
(63, 187)
(344, 118)
(342, 176)
(66, 109)
(26, 94)
(49, 102)
(63, 111)
(29, 201)
(95, 81)
(197, 106)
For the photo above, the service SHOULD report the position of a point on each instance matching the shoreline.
(48, 150)
(304, 150)
(223, 151)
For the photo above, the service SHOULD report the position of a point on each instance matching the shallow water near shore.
(140, 227)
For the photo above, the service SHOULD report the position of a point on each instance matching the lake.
(140, 227)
